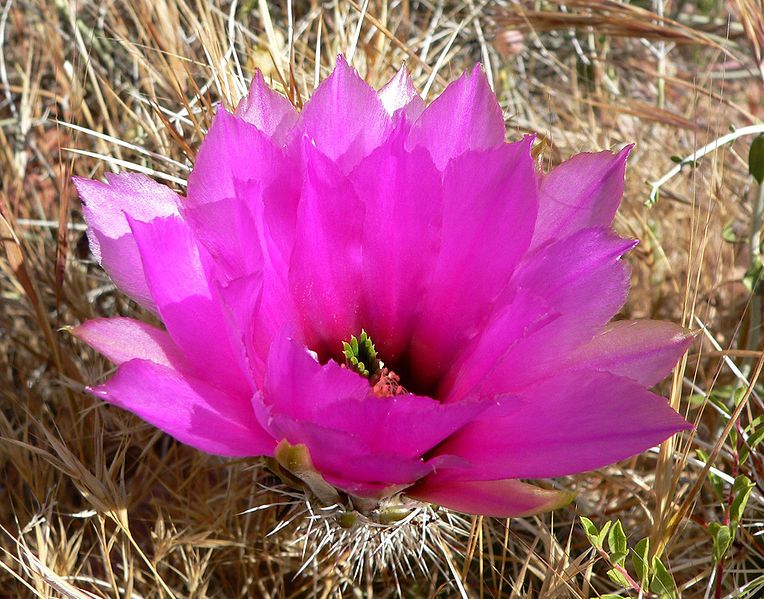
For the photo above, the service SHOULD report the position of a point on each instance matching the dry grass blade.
(606, 18)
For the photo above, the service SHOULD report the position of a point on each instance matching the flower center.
(361, 356)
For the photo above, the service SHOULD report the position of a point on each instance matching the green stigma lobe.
(361, 356)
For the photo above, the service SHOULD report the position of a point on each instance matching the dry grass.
(96, 504)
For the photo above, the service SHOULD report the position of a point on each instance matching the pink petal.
(400, 94)
(247, 236)
(402, 193)
(234, 150)
(325, 270)
(482, 242)
(570, 423)
(252, 191)
(267, 110)
(241, 300)
(582, 192)
(643, 350)
(230, 233)
(345, 117)
(186, 408)
(361, 442)
(339, 399)
(125, 339)
(364, 489)
(497, 498)
(584, 282)
(466, 116)
(104, 207)
(525, 315)
(339, 455)
(193, 316)
(301, 388)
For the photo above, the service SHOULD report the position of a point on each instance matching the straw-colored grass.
(94, 503)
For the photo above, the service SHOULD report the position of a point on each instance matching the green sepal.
(295, 459)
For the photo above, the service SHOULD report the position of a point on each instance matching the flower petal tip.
(554, 501)
(98, 391)
(625, 151)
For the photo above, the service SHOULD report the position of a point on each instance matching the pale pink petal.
(582, 192)
(230, 233)
(193, 316)
(125, 339)
(122, 262)
(400, 94)
(482, 241)
(241, 300)
(267, 110)
(186, 408)
(104, 207)
(643, 350)
(252, 190)
(247, 235)
(325, 270)
(234, 150)
(344, 117)
(403, 199)
(569, 423)
(497, 498)
(466, 116)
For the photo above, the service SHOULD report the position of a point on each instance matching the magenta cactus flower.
(384, 297)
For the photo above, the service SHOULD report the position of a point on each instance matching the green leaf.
(603, 533)
(755, 432)
(596, 538)
(618, 578)
(696, 400)
(591, 531)
(720, 399)
(756, 159)
(640, 559)
(730, 235)
(662, 582)
(752, 277)
(754, 439)
(741, 491)
(740, 393)
(722, 537)
(616, 540)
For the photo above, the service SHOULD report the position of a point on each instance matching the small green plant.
(651, 578)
